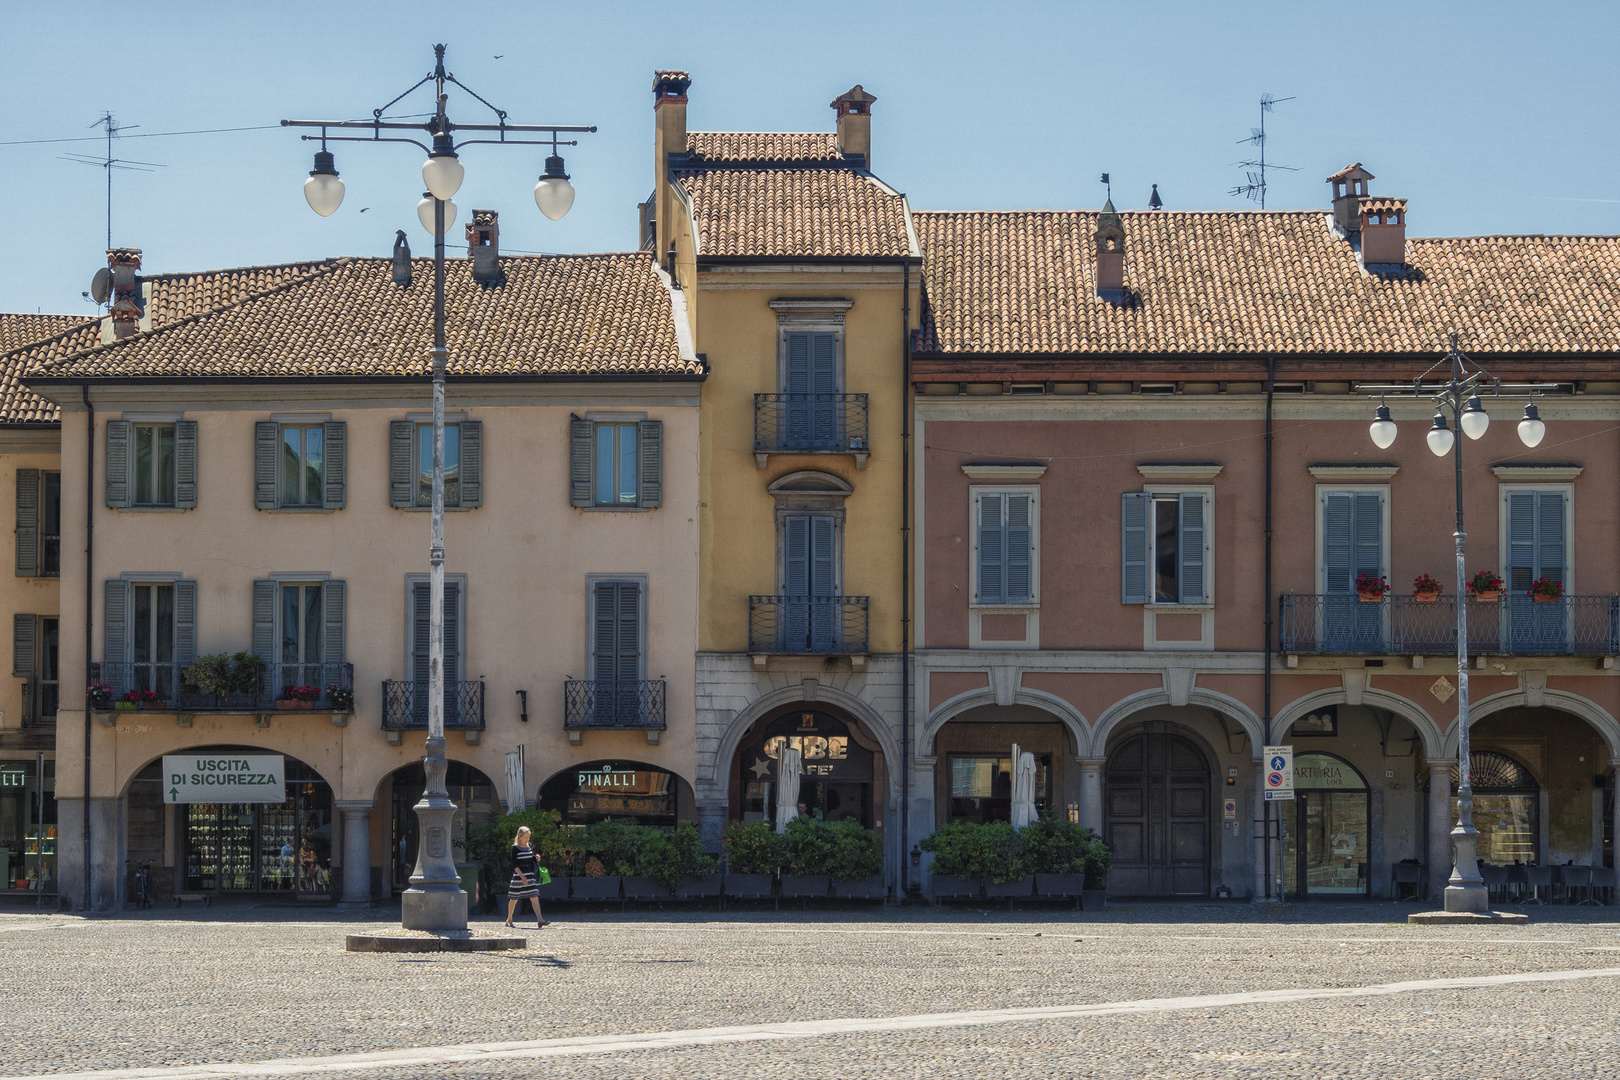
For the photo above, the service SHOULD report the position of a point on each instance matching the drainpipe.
(905, 577)
(89, 593)
(1271, 375)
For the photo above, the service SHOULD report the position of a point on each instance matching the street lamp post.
(435, 900)
(1459, 393)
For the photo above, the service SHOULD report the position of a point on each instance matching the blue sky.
(1489, 117)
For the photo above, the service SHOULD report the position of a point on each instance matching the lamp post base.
(435, 902)
(435, 908)
(1466, 918)
(1467, 898)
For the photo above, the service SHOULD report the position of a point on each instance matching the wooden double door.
(1158, 803)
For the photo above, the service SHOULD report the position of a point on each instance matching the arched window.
(1507, 804)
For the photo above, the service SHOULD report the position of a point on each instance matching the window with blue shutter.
(1005, 533)
(1536, 548)
(810, 575)
(810, 385)
(1164, 547)
(421, 613)
(616, 650)
(1352, 546)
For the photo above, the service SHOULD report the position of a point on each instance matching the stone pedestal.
(356, 851)
(435, 902)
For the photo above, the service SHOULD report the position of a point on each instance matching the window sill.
(152, 509)
(618, 509)
(1004, 609)
(302, 509)
(429, 509)
(1172, 609)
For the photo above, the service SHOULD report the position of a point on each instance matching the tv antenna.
(109, 163)
(1255, 189)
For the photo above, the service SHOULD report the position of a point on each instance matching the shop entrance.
(28, 825)
(1158, 817)
(841, 769)
(1326, 839)
(1507, 808)
(471, 791)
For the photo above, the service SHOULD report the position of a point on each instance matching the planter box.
(805, 886)
(1371, 598)
(286, 704)
(872, 888)
(1426, 597)
(595, 888)
(951, 887)
(699, 888)
(1489, 596)
(1093, 899)
(1060, 886)
(1538, 598)
(556, 889)
(1007, 890)
(747, 886)
(643, 888)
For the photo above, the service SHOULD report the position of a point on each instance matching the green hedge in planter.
(994, 850)
(1063, 847)
(606, 848)
(754, 848)
(667, 857)
(846, 849)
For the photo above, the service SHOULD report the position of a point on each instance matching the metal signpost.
(1279, 762)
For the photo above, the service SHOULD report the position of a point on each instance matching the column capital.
(1092, 762)
(354, 806)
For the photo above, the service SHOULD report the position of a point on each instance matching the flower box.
(1543, 599)
(806, 886)
(596, 888)
(872, 888)
(286, 704)
(1007, 890)
(1371, 597)
(747, 886)
(1488, 596)
(698, 888)
(1426, 597)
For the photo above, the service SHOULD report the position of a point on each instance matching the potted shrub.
(1058, 852)
(671, 861)
(753, 854)
(855, 862)
(1371, 589)
(967, 854)
(124, 704)
(340, 698)
(248, 674)
(1485, 587)
(1544, 590)
(1425, 589)
(610, 853)
(807, 855)
(210, 676)
(99, 696)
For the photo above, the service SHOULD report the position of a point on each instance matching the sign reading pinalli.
(224, 778)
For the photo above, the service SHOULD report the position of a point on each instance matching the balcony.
(1403, 626)
(807, 626)
(601, 705)
(174, 694)
(810, 424)
(405, 706)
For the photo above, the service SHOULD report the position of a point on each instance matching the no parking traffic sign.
(1279, 763)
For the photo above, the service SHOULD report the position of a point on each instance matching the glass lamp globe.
(323, 190)
(424, 213)
(1440, 437)
(1531, 429)
(1383, 429)
(554, 194)
(1475, 419)
(443, 173)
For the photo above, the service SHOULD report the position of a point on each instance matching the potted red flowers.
(298, 697)
(1485, 587)
(1545, 590)
(1371, 589)
(145, 700)
(1425, 589)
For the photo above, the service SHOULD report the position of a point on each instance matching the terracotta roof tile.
(796, 212)
(557, 315)
(1255, 282)
(762, 146)
(19, 330)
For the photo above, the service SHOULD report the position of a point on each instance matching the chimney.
(402, 259)
(123, 263)
(855, 124)
(1383, 231)
(669, 137)
(484, 247)
(1110, 254)
(1349, 186)
(1154, 202)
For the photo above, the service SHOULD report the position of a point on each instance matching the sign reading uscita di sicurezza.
(224, 778)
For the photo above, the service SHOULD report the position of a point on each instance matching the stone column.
(1440, 823)
(1091, 796)
(356, 850)
(711, 823)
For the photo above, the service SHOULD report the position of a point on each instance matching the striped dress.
(525, 873)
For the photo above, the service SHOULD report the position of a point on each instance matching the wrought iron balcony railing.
(1405, 626)
(405, 705)
(168, 682)
(811, 424)
(595, 703)
(808, 625)
(39, 703)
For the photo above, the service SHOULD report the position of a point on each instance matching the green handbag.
(544, 875)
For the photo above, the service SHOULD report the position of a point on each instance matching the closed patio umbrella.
(514, 781)
(1023, 788)
(788, 769)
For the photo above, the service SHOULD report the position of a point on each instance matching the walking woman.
(525, 882)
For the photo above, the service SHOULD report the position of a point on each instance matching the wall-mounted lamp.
(523, 705)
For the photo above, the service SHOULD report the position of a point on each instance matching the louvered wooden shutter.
(264, 622)
(114, 638)
(472, 463)
(185, 464)
(118, 478)
(992, 549)
(1550, 554)
(1019, 539)
(824, 387)
(24, 652)
(27, 522)
(1369, 536)
(1190, 548)
(651, 447)
(1134, 507)
(266, 450)
(1521, 530)
(452, 637)
(823, 568)
(185, 623)
(335, 601)
(579, 461)
(617, 643)
(401, 466)
(335, 465)
(796, 556)
(1338, 510)
(421, 648)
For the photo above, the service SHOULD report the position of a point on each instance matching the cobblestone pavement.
(168, 989)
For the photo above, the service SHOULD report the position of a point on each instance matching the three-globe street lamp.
(1460, 393)
(435, 900)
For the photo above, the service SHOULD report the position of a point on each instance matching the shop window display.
(840, 773)
(1507, 803)
(281, 847)
(28, 825)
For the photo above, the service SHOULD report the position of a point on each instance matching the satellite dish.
(101, 285)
